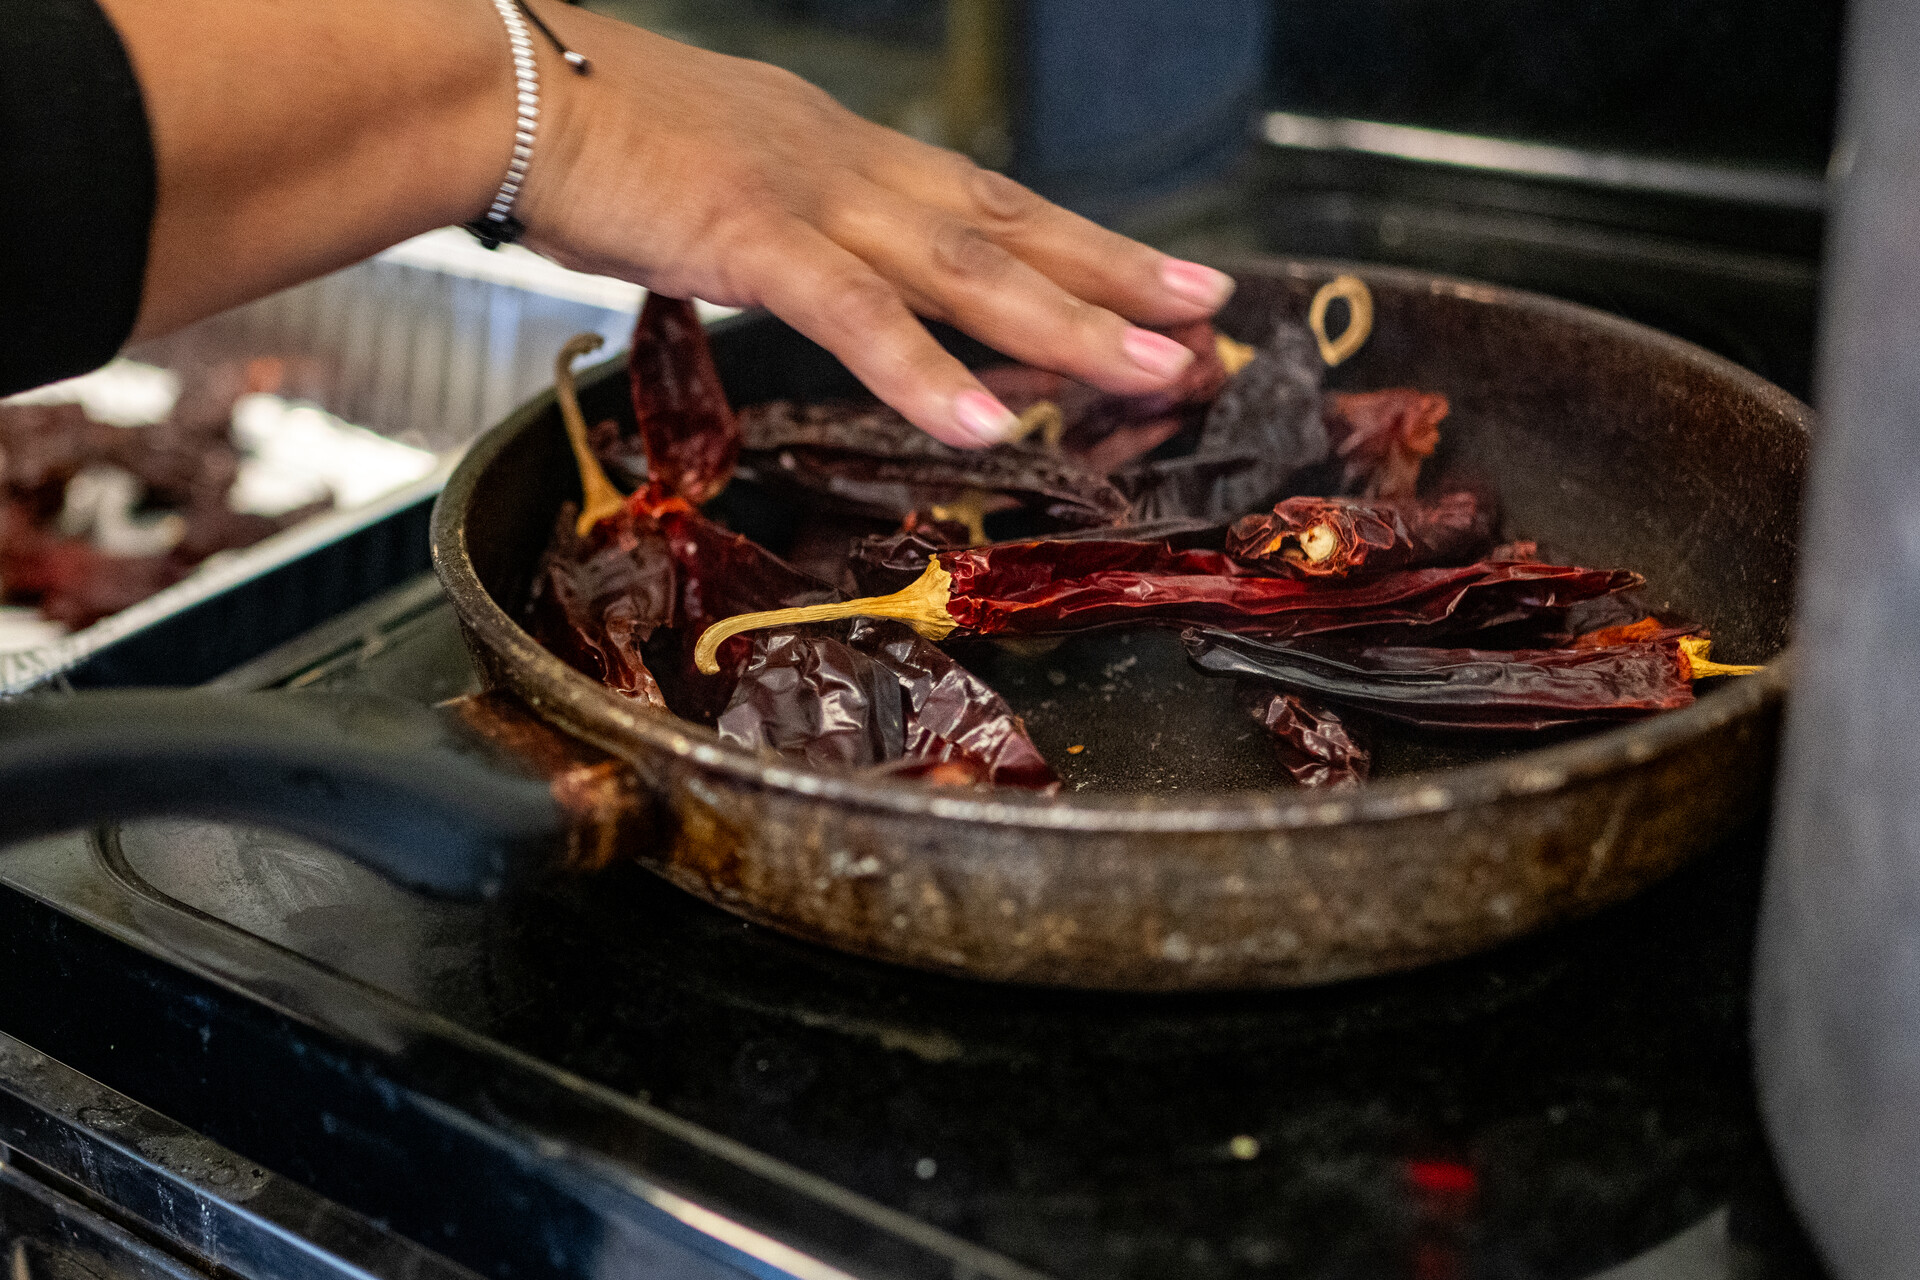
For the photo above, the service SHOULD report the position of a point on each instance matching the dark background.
(1746, 81)
(1147, 116)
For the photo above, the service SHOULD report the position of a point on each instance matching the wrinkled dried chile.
(595, 601)
(1260, 435)
(619, 601)
(1057, 587)
(717, 573)
(1037, 588)
(851, 696)
(187, 463)
(953, 717)
(1251, 435)
(815, 699)
(1313, 744)
(868, 460)
(686, 427)
(1382, 437)
(864, 458)
(875, 691)
(885, 563)
(1350, 537)
(628, 602)
(1465, 688)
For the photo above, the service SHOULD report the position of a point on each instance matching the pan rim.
(595, 713)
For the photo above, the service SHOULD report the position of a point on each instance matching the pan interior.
(1608, 443)
(1124, 712)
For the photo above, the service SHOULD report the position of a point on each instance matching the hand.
(312, 135)
(706, 176)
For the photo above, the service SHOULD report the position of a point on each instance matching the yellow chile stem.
(1234, 355)
(1359, 301)
(922, 606)
(1697, 647)
(1043, 416)
(598, 498)
(970, 509)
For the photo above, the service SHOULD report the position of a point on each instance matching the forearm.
(293, 137)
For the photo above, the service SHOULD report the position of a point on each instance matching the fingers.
(839, 301)
(1083, 258)
(952, 271)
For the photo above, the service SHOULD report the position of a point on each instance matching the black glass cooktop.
(1578, 1105)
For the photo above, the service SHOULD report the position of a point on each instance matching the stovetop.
(1577, 1105)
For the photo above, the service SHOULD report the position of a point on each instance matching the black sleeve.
(76, 163)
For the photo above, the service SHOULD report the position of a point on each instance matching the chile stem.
(598, 498)
(1696, 648)
(1235, 356)
(970, 509)
(1042, 416)
(1359, 301)
(922, 606)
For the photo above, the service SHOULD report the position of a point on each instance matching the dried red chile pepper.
(1343, 537)
(1105, 432)
(596, 601)
(855, 697)
(867, 459)
(686, 427)
(187, 463)
(658, 566)
(717, 573)
(883, 563)
(1382, 437)
(875, 691)
(628, 602)
(1261, 434)
(1054, 587)
(888, 562)
(952, 716)
(1465, 688)
(874, 694)
(830, 682)
(1037, 588)
(1313, 744)
(1254, 431)
(817, 700)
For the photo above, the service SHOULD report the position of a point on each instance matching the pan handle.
(415, 793)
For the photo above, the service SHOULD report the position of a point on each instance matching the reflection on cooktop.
(1576, 1105)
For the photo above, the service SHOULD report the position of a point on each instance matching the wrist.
(474, 121)
(556, 145)
(308, 137)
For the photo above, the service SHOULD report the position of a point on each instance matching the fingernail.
(983, 417)
(1155, 352)
(1195, 283)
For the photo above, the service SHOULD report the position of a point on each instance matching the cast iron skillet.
(1172, 861)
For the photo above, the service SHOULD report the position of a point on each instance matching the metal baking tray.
(428, 343)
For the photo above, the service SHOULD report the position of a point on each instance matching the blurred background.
(1659, 158)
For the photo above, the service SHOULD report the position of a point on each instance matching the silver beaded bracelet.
(498, 226)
